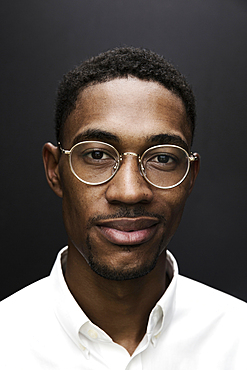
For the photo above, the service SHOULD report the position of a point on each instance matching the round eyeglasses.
(95, 162)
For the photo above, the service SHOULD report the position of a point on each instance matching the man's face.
(121, 227)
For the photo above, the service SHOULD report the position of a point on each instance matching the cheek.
(173, 204)
(80, 203)
(75, 195)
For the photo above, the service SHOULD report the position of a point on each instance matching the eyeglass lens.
(95, 162)
(165, 166)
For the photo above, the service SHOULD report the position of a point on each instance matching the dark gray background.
(41, 40)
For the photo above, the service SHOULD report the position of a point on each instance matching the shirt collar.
(75, 322)
(67, 310)
(161, 315)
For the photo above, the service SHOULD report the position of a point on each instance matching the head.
(121, 63)
(133, 100)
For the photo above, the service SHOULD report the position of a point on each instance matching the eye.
(161, 161)
(95, 154)
(163, 158)
(98, 154)
(97, 157)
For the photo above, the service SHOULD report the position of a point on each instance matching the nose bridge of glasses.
(129, 154)
(126, 154)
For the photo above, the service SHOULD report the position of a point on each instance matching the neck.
(127, 303)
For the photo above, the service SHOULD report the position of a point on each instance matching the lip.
(128, 231)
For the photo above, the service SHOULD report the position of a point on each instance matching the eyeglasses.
(95, 162)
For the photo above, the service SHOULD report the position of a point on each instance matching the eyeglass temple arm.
(193, 157)
(64, 151)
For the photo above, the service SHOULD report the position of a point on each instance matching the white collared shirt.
(192, 327)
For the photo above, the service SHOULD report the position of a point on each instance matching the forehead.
(130, 109)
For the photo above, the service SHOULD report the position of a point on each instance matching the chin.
(121, 274)
(135, 266)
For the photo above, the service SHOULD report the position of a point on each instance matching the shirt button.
(82, 347)
(93, 333)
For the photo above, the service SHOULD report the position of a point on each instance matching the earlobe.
(51, 157)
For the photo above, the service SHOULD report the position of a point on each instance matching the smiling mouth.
(128, 231)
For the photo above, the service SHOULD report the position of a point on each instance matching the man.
(124, 170)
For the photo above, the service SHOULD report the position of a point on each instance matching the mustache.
(125, 212)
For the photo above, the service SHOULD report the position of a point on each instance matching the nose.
(128, 185)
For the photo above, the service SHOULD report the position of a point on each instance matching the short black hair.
(120, 63)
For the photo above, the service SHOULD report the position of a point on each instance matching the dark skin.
(132, 115)
(127, 303)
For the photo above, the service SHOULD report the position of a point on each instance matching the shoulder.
(35, 288)
(31, 334)
(25, 304)
(195, 293)
(24, 318)
(34, 297)
(207, 308)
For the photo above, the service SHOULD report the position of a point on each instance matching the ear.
(51, 155)
(194, 170)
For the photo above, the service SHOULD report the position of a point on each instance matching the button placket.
(85, 351)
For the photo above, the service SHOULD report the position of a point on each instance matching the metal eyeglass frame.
(191, 158)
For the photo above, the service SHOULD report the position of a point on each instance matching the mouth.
(128, 231)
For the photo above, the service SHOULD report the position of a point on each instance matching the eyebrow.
(95, 134)
(168, 139)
